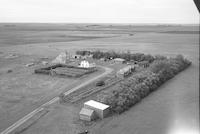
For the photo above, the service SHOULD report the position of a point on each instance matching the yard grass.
(156, 113)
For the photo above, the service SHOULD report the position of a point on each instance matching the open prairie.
(175, 104)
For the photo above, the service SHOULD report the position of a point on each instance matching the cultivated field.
(175, 104)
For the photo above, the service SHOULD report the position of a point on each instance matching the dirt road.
(31, 114)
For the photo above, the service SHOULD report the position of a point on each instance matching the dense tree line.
(83, 52)
(112, 54)
(136, 87)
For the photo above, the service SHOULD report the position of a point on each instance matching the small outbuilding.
(144, 64)
(126, 71)
(119, 60)
(84, 64)
(101, 110)
(87, 114)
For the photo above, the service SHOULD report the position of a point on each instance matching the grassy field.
(175, 104)
(19, 34)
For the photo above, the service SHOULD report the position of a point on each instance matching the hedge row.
(136, 87)
(112, 54)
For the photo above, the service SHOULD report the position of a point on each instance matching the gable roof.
(85, 111)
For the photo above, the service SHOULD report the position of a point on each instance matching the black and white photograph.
(99, 66)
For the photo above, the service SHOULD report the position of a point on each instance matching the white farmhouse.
(86, 64)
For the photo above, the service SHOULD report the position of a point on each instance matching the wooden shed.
(87, 114)
(101, 110)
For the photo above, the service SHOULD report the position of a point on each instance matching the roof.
(119, 59)
(125, 69)
(96, 104)
(85, 111)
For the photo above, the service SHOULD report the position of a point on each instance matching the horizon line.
(115, 23)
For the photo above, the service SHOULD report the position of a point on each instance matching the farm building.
(86, 64)
(87, 114)
(102, 59)
(101, 110)
(119, 60)
(105, 59)
(62, 58)
(125, 71)
(144, 64)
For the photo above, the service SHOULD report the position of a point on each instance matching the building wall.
(85, 64)
(124, 72)
(100, 113)
(87, 117)
(106, 112)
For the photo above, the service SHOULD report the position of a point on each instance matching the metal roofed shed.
(101, 110)
(119, 60)
(87, 114)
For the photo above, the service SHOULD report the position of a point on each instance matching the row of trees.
(112, 54)
(138, 86)
(83, 52)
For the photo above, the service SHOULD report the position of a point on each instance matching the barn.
(87, 114)
(101, 110)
